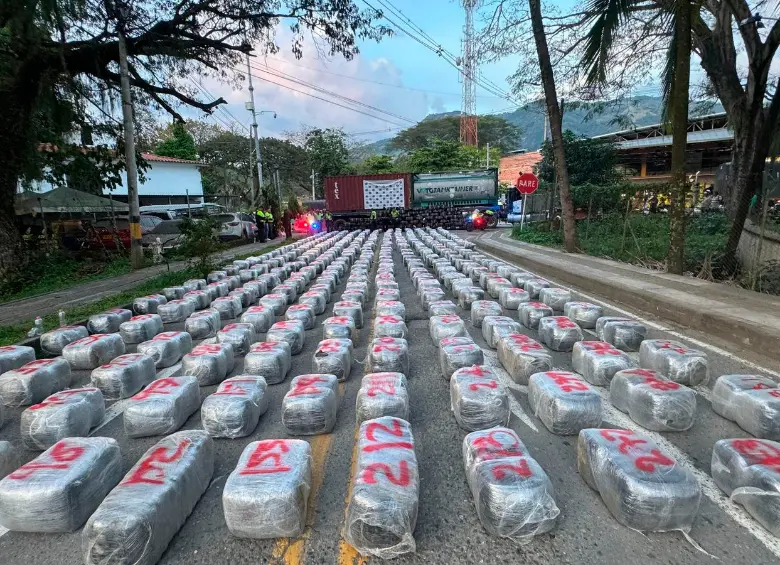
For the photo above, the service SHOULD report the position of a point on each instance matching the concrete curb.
(683, 309)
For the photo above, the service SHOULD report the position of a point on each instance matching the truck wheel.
(340, 225)
(492, 221)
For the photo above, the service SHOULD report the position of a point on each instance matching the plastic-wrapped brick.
(140, 328)
(167, 348)
(431, 295)
(210, 363)
(137, 520)
(382, 394)
(531, 313)
(518, 279)
(266, 495)
(245, 295)
(625, 334)
(106, 322)
(339, 327)
(555, 298)
(314, 299)
(271, 281)
(92, 351)
(148, 304)
(34, 381)
(514, 498)
(229, 307)
(681, 364)
(258, 288)
(758, 413)
(729, 387)
(15, 356)
(584, 314)
(194, 284)
(54, 341)
(216, 276)
(323, 287)
(458, 352)
(269, 359)
(218, 290)
(124, 375)
(442, 308)
(452, 276)
(747, 471)
(522, 357)
(652, 401)
(564, 402)
(350, 309)
(162, 407)
(261, 317)
(333, 356)
(641, 486)
(559, 333)
(476, 273)
(233, 282)
(388, 294)
(58, 490)
(598, 361)
(246, 275)
(496, 284)
(68, 413)
(311, 404)
(173, 292)
(391, 308)
(496, 327)
(477, 398)
(175, 311)
(276, 302)
(512, 298)
(203, 324)
(390, 326)
(201, 299)
(489, 445)
(382, 511)
(485, 278)
(482, 308)
(288, 290)
(534, 286)
(354, 296)
(290, 331)
(235, 408)
(449, 325)
(303, 313)
(9, 459)
(389, 355)
(240, 335)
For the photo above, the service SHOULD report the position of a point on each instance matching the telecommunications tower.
(468, 111)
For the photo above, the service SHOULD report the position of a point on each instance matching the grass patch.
(646, 240)
(17, 332)
(59, 272)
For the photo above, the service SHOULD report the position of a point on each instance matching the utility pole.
(487, 156)
(251, 107)
(136, 251)
(313, 177)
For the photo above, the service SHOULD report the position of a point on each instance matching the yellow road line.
(348, 555)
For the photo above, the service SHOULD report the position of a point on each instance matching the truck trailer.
(421, 199)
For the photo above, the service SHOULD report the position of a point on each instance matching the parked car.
(237, 226)
(100, 234)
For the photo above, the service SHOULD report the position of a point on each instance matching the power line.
(280, 74)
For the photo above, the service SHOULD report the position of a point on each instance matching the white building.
(167, 180)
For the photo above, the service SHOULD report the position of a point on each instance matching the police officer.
(271, 224)
(372, 217)
(394, 214)
(262, 236)
(489, 216)
(328, 221)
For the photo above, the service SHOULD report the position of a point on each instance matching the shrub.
(199, 243)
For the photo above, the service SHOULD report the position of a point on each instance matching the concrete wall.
(748, 246)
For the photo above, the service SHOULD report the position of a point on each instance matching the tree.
(328, 154)
(493, 130)
(58, 67)
(227, 169)
(441, 155)
(179, 144)
(554, 115)
(376, 164)
(590, 160)
(676, 86)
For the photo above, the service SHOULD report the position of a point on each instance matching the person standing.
(328, 221)
(394, 215)
(287, 220)
(372, 217)
(262, 236)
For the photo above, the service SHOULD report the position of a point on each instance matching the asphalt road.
(447, 530)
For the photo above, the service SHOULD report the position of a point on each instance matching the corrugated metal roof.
(162, 159)
(704, 136)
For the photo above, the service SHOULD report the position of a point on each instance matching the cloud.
(377, 83)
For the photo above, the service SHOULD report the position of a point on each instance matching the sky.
(397, 75)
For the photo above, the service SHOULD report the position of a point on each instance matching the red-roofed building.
(514, 164)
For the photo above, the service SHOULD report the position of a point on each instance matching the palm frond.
(607, 16)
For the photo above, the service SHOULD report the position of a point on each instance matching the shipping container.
(455, 189)
(353, 193)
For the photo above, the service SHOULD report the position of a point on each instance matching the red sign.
(527, 183)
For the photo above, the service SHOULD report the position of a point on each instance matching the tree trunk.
(679, 114)
(556, 126)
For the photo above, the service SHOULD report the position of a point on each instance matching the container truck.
(422, 199)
